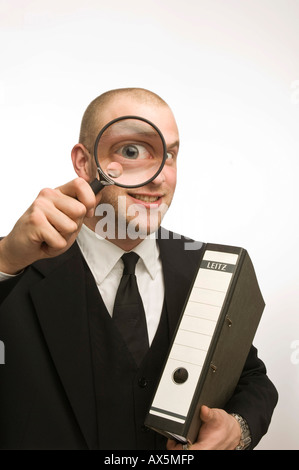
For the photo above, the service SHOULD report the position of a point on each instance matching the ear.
(82, 161)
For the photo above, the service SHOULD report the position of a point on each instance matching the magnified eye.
(133, 151)
(130, 151)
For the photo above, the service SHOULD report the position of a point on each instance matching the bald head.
(92, 120)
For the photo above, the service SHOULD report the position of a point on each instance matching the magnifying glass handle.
(96, 185)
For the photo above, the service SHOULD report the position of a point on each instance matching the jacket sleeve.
(254, 398)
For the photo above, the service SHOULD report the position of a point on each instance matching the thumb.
(206, 414)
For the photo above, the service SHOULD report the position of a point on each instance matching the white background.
(230, 71)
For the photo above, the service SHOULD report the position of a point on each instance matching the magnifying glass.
(130, 152)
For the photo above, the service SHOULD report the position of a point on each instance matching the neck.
(126, 245)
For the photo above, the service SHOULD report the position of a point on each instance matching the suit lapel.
(60, 303)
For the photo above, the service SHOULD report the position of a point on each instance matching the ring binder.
(211, 343)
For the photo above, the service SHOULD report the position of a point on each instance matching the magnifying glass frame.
(103, 175)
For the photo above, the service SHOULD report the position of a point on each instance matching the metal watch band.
(245, 439)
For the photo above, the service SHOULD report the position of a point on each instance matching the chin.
(140, 230)
(141, 227)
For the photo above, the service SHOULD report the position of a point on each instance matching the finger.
(43, 234)
(172, 444)
(67, 205)
(52, 240)
(65, 225)
(62, 212)
(80, 190)
(206, 413)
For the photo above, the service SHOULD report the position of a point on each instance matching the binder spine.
(191, 351)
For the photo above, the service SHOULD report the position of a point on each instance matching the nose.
(160, 178)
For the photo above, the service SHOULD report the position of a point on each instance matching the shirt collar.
(148, 251)
(102, 255)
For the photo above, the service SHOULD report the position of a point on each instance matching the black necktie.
(128, 311)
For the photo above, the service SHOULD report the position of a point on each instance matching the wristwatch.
(245, 433)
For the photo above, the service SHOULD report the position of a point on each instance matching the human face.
(153, 199)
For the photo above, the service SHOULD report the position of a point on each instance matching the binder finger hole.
(180, 375)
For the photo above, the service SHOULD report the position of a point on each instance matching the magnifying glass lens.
(130, 152)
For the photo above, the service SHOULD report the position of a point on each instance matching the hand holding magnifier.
(130, 152)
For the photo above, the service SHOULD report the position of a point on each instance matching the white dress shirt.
(5, 277)
(104, 261)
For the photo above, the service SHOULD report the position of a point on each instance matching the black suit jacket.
(46, 382)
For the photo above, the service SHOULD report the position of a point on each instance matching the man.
(69, 381)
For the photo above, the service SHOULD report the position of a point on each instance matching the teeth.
(146, 198)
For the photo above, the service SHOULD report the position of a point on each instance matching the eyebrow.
(132, 135)
(174, 144)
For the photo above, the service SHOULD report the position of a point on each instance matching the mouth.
(147, 198)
